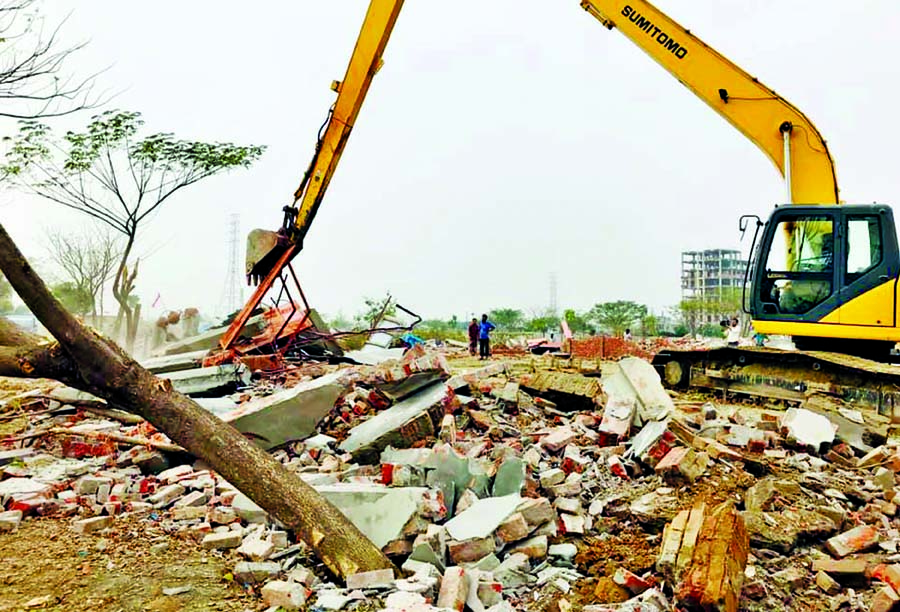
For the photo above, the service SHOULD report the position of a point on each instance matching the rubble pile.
(494, 491)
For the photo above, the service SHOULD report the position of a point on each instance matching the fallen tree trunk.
(86, 361)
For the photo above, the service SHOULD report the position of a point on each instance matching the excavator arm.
(777, 127)
(268, 253)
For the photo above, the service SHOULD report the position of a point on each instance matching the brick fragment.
(515, 527)
(91, 525)
(469, 551)
(857, 539)
(827, 583)
(713, 579)
(886, 600)
(219, 541)
(454, 589)
(286, 595)
(368, 580)
(849, 572)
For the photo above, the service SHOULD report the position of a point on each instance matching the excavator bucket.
(264, 250)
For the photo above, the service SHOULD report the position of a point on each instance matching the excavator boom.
(268, 253)
(777, 127)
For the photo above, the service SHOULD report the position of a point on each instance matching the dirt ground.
(47, 566)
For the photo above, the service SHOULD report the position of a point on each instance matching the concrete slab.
(634, 378)
(287, 415)
(482, 518)
(207, 380)
(567, 391)
(399, 426)
(379, 512)
(374, 355)
(173, 363)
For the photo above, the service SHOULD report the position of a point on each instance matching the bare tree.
(111, 175)
(88, 260)
(32, 60)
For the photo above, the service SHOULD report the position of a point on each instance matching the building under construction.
(711, 275)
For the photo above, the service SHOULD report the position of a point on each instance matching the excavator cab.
(827, 272)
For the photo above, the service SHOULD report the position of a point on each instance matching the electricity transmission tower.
(233, 289)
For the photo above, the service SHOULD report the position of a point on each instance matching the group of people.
(480, 337)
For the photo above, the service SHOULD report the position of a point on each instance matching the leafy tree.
(577, 323)
(616, 317)
(508, 319)
(710, 309)
(111, 174)
(76, 300)
(542, 324)
(6, 292)
(692, 311)
(377, 309)
(649, 325)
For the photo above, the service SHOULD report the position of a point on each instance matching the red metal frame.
(226, 342)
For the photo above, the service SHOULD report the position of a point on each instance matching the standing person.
(484, 337)
(733, 335)
(627, 336)
(473, 336)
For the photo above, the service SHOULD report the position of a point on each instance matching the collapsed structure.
(506, 486)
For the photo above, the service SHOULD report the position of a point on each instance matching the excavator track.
(792, 376)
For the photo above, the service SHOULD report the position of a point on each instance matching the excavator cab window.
(800, 267)
(864, 250)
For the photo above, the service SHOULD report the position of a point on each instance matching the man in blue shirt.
(484, 337)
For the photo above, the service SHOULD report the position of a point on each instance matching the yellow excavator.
(822, 273)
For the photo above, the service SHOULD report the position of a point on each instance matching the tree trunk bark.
(84, 360)
(133, 328)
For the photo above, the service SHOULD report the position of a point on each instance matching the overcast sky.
(502, 142)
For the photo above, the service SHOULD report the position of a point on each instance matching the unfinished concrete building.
(711, 276)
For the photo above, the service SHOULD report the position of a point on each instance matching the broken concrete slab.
(568, 391)
(208, 380)
(173, 363)
(379, 512)
(634, 379)
(16, 454)
(399, 390)
(399, 426)
(289, 414)
(467, 380)
(482, 518)
(510, 477)
(808, 428)
(374, 355)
